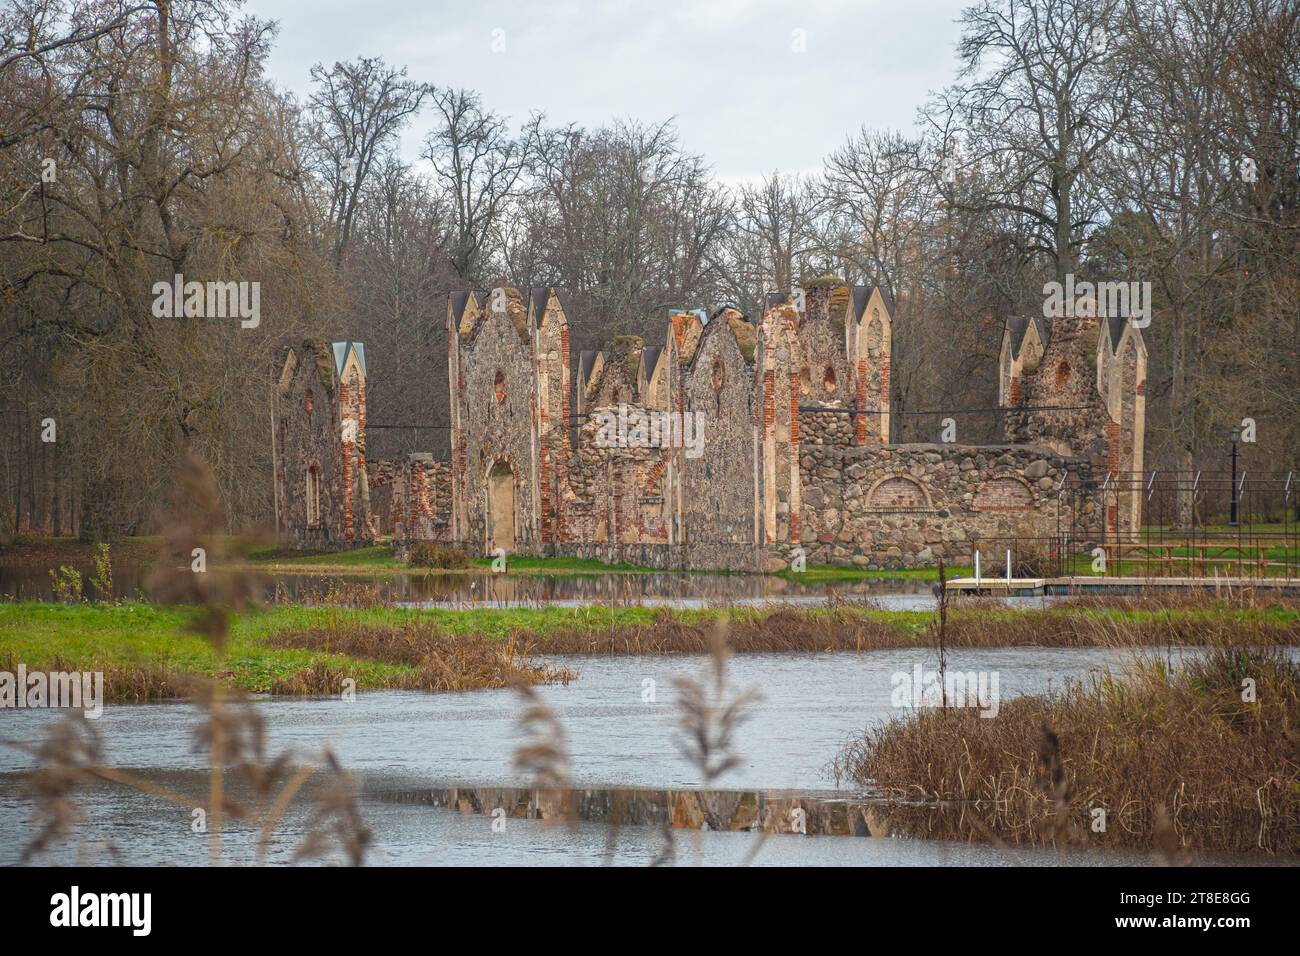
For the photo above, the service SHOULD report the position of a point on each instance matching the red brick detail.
(897, 494)
(361, 414)
(348, 533)
(1003, 495)
(1015, 392)
(545, 482)
(769, 400)
(656, 472)
(1112, 447)
(420, 507)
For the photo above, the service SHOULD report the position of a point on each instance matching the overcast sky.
(729, 71)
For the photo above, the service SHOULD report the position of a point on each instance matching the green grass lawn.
(378, 560)
(831, 573)
(98, 636)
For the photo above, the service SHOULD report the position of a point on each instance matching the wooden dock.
(1003, 586)
(1084, 584)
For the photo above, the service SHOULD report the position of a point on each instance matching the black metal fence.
(1199, 524)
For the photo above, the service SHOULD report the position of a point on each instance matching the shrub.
(102, 579)
(1197, 753)
(66, 583)
(426, 554)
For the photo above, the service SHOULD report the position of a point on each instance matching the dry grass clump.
(132, 682)
(439, 661)
(841, 628)
(426, 554)
(1204, 754)
(1066, 628)
(345, 594)
(1179, 599)
(782, 630)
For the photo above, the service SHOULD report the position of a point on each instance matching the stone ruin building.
(322, 497)
(795, 450)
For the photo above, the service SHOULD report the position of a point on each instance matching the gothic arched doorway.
(501, 506)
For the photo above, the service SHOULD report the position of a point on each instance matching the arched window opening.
(1062, 373)
(313, 496)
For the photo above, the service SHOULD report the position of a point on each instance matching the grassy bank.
(146, 652)
(378, 561)
(1179, 757)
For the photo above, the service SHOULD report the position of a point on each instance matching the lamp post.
(1232, 516)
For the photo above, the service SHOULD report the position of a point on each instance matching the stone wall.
(1065, 382)
(718, 486)
(617, 494)
(494, 389)
(904, 506)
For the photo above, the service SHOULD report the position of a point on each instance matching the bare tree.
(357, 111)
(478, 163)
(775, 237)
(1038, 99)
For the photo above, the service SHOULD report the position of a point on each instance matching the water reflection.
(458, 591)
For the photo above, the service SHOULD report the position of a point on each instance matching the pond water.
(617, 734)
(466, 590)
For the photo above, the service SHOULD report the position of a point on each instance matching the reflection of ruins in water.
(457, 591)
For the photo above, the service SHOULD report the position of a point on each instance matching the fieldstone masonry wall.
(905, 506)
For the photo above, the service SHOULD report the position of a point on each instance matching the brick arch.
(1005, 493)
(898, 493)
